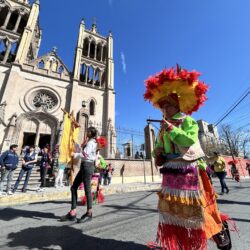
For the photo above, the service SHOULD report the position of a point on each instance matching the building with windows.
(209, 137)
(34, 89)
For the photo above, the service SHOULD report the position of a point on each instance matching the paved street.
(124, 221)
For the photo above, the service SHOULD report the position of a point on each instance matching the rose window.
(45, 100)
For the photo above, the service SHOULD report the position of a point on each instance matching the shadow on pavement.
(8, 214)
(129, 208)
(52, 202)
(65, 238)
(232, 202)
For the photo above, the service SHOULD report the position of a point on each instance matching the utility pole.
(229, 144)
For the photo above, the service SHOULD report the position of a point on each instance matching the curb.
(20, 198)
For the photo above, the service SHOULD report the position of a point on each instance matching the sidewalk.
(52, 193)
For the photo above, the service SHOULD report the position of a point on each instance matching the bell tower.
(94, 75)
(20, 35)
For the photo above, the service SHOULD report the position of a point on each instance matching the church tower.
(34, 89)
(93, 83)
(20, 35)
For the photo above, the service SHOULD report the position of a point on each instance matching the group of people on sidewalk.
(9, 161)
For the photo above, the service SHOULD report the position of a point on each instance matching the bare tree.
(237, 142)
(245, 145)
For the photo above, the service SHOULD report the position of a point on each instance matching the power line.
(228, 112)
(235, 102)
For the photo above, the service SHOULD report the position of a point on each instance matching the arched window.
(92, 50)
(99, 52)
(90, 74)
(97, 77)
(92, 107)
(104, 55)
(83, 72)
(103, 81)
(3, 14)
(2, 49)
(12, 21)
(41, 65)
(85, 47)
(12, 54)
(22, 24)
(61, 69)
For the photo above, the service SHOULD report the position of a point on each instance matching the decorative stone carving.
(41, 98)
(44, 99)
(2, 110)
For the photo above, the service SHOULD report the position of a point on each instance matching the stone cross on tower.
(54, 49)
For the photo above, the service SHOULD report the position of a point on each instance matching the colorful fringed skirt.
(188, 214)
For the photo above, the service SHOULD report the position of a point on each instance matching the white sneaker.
(2, 194)
(10, 193)
(56, 186)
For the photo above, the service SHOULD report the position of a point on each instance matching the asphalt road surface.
(123, 221)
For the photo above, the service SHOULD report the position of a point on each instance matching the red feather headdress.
(185, 84)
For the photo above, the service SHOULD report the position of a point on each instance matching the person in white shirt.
(88, 157)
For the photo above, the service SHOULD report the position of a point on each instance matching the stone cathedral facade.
(33, 89)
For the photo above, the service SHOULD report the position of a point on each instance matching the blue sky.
(211, 36)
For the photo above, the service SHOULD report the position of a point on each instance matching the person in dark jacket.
(44, 166)
(8, 163)
(30, 157)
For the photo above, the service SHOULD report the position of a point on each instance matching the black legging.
(84, 175)
(44, 171)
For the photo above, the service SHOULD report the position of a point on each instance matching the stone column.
(7, 20)
(100, 78)
(101, 54)
(95, 51)
(89, 48)
(17, 23)
(37, 135)
(86, 74)
(93, 77)
(7, 52)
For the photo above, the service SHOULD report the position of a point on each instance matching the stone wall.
(241, 165)
(128, 171)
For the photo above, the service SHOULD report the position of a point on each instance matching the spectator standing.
(220, 170)
(44, 166)
(59, 178)
(248, 167)
(8, 163)
(141, 155)
(233, 171)
(30, 157)
(110, 171)
(100, 166)
(137, 155)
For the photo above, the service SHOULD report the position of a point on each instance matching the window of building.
(92, 107)
(41, 65)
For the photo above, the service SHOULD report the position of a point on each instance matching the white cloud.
(124, 66)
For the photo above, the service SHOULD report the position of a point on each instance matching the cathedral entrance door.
(44, 139)
(28, 139)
